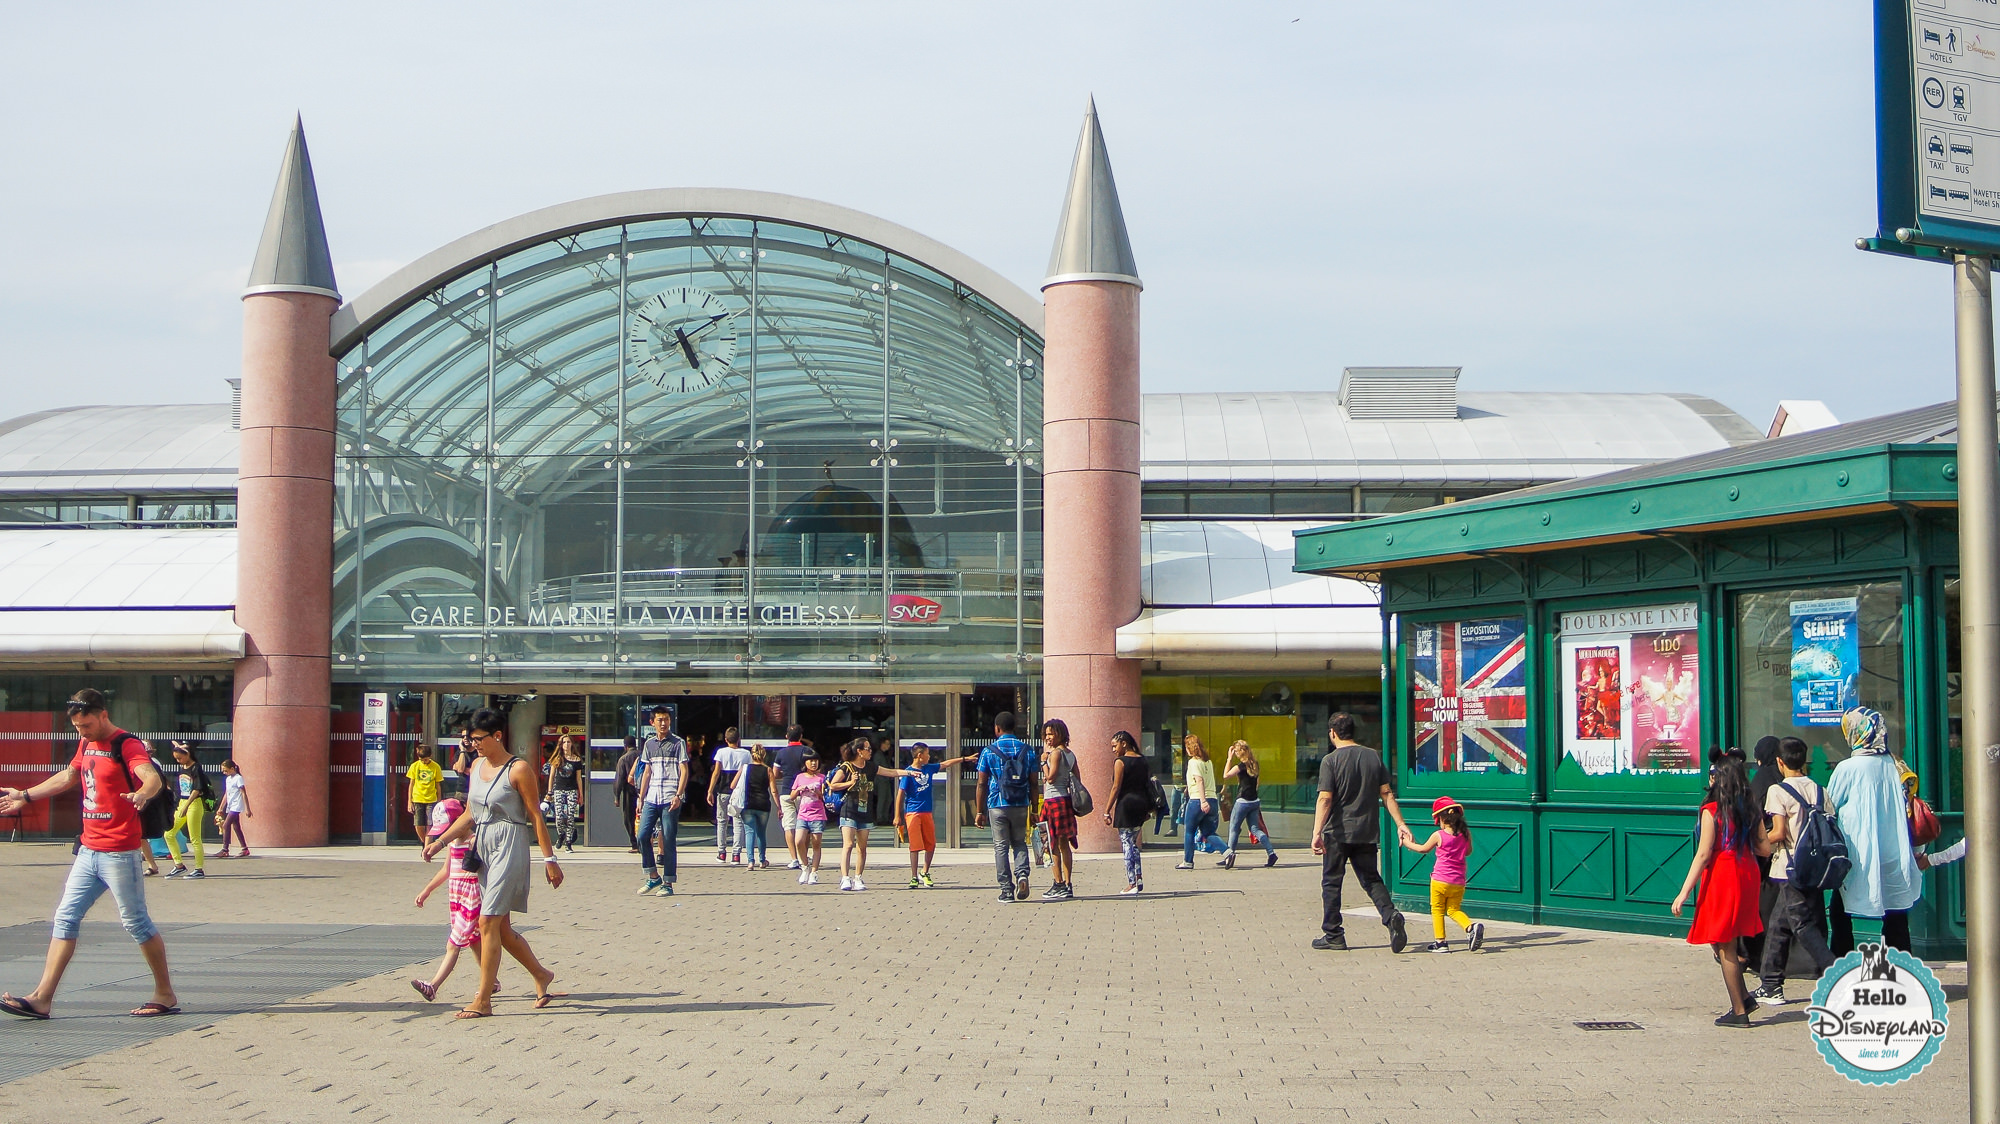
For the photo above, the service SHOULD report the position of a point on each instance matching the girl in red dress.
(1725, 865)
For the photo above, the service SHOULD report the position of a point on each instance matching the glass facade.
(1283, 715)
(704, 448)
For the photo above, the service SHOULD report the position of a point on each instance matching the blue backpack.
(1014, 781)
(1819, 854)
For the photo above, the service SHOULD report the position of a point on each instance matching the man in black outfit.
(1354, 787)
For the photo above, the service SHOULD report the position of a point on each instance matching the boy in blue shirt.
(913, 808)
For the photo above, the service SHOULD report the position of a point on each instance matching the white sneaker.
(858, 884)
(793, 865)
(812, 877)
(802, 876)
(846, 883)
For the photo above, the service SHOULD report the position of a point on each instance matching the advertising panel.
(1469, 696)
(1631, 692)
(1826, 659)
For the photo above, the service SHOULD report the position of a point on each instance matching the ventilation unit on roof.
(235, 403)
(1398, 393)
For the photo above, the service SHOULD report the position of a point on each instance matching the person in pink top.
(1453, 842)
(462, 900)
(809, 790)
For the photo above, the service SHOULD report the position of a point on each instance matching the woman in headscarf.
(1765, 761)
(1866, 795)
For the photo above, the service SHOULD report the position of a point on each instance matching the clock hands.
(687, 349)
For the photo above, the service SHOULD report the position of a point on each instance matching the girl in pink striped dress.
(462, 899)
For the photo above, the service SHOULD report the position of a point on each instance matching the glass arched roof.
(534, 315)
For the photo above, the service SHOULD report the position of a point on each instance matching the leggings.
(233, 821)
(1448, 900)
(564, 800)
(1128, 839)
(188, 817)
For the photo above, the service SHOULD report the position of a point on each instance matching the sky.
(1552, 196)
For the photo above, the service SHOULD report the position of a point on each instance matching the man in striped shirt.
(662, 778)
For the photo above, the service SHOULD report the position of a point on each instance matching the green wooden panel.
(1815, 547)
(1733, 555)
(1406, 589)
(1656, 864)
(1872, 543)
(1613, 566)
(1666, 564)
(1496, 865)
(1581, 862)
(1559, 573)
(1453, 583)
(1497, 581)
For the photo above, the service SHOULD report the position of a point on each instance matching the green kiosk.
(1560, 659)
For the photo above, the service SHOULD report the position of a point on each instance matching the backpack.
(157, 815)
(831, 798)
(1080, 801)
(1819, 854)
(1014, 781)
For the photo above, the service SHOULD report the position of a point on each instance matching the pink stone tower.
(284, 515)
(1090, 486)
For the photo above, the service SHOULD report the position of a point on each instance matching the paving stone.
(751, 998)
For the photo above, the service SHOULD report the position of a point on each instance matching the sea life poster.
(1826, 659)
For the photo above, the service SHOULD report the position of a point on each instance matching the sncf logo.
(907, 608)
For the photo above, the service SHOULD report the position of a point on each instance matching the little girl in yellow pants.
(1453, 842)
(192, 812)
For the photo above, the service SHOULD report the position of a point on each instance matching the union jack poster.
(1469, 698)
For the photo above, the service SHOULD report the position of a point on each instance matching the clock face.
(682, 339)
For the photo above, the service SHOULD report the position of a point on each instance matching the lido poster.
(1826, 659)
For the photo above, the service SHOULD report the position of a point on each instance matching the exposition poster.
(1469, 700)
(1826, 659)
(1630, 700)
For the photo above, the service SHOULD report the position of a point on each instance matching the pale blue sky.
(1583, 196)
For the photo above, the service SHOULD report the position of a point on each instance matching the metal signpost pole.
(1979, 663)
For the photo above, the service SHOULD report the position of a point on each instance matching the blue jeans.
(668, 820)
(754, 850)
(1202, 818)
(1244, 814)
(90, 875)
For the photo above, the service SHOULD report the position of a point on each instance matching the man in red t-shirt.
(108, 858)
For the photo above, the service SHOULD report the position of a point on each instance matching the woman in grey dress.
(504, 802)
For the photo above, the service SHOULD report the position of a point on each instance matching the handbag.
(1080, 800)
(739, 793)
(1924, 825)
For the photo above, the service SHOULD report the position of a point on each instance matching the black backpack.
(157, 814)
(1819, 854)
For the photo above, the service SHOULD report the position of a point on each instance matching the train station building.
(761, 459)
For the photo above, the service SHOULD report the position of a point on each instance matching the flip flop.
(154, 1011)
(424, 989)
(15, 1005)
(469, 1013)
(542, 1000)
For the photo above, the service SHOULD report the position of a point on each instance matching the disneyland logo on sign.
(1878, 1015)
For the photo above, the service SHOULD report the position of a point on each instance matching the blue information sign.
(1937, 127)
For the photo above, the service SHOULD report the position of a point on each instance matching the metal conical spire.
(1091, 244)
(292, 256)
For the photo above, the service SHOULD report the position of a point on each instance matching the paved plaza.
(751, 998)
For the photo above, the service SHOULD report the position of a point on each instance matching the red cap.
(1440, 804)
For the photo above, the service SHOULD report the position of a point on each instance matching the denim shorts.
(858, 825)
(90, 875)
(812, 827)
